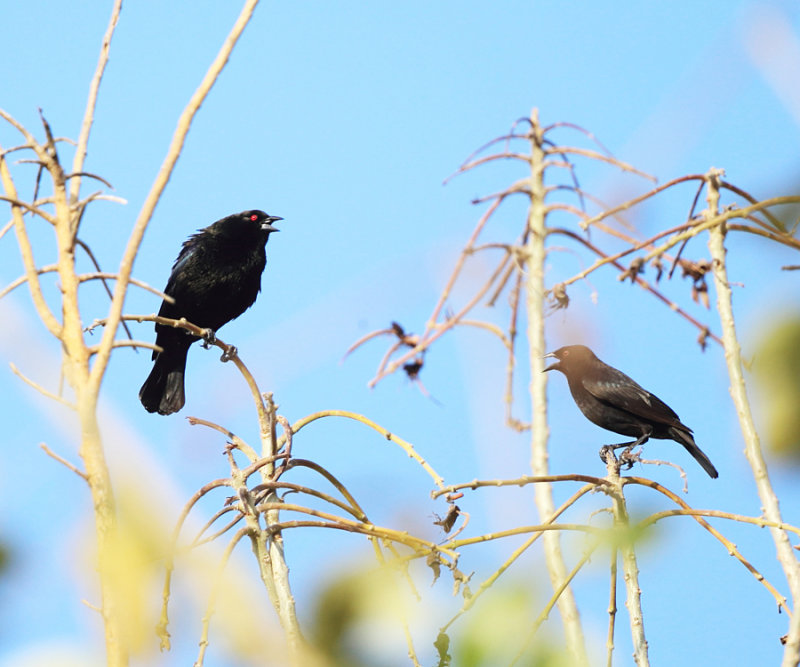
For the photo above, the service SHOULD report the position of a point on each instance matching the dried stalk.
(630, 569)
(91, 104)
(535, 301)
(85, 379)
(269, 549)
(753, 452)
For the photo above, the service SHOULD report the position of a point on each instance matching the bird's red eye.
(254, 217)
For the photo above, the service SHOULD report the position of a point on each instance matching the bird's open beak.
(267, 224)
(551, 367)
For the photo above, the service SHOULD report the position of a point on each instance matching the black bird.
(216, 277)
(612, 400)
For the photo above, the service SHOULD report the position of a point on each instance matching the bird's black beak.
(551, 367)
(267, 224)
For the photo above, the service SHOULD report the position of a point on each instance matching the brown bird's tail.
(685, 438)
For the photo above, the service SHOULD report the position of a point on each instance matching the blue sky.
(344, 118)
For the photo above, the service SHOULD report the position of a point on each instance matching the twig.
(630, 567)
(31, 208)
(535, 307)
(358, 514)
(400, 536)
(600, 157)
(133, 281)
(91, 102)
(487, 583)
(547, 528)
(64, 462)
(235, 439)
(658, 462)
(212, 599)
(41, 389)
(729, 546)
(50, 268)
(612, 608)
(331, 478)
(407, 447)
(647, 286)
(598, 482)
(545, 613)
(753, 451)
(25, 247)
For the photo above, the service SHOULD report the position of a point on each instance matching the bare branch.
(406, 446)
(594, 155)
(64, 462)
(31, 208)
(645, 285)
(91, 103)
(26, 250)
(133, 281)
(23, 279)
(135, 344)
(41, 389)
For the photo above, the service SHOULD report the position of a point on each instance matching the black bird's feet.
(209, 337)
(229, 353)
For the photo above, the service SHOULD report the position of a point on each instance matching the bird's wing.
(188, 249)
(618, 390)
(174, 282)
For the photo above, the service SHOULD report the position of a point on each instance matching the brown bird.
(609, 398)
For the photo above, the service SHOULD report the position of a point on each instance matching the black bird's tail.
(685, 438)
(162, 391)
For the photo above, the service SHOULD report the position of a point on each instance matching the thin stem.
(406, 446)
(753, 452)
(485, 585)
(545, 613)
(630, 569)
(730, 547)
(91, 103)
(612, 608)
(28, 261)
(535, 302)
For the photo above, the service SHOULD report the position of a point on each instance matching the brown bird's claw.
(209, 338)
(628, 457)
(228, 353)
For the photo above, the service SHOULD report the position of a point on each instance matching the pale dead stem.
(261, 501)
(630, 568)
(618, 538)
(91, 104)
(26, 251)
(68, 210)
(753, 451)
(656, 247)
(100, 275)
(540, 432)
(770, 227)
